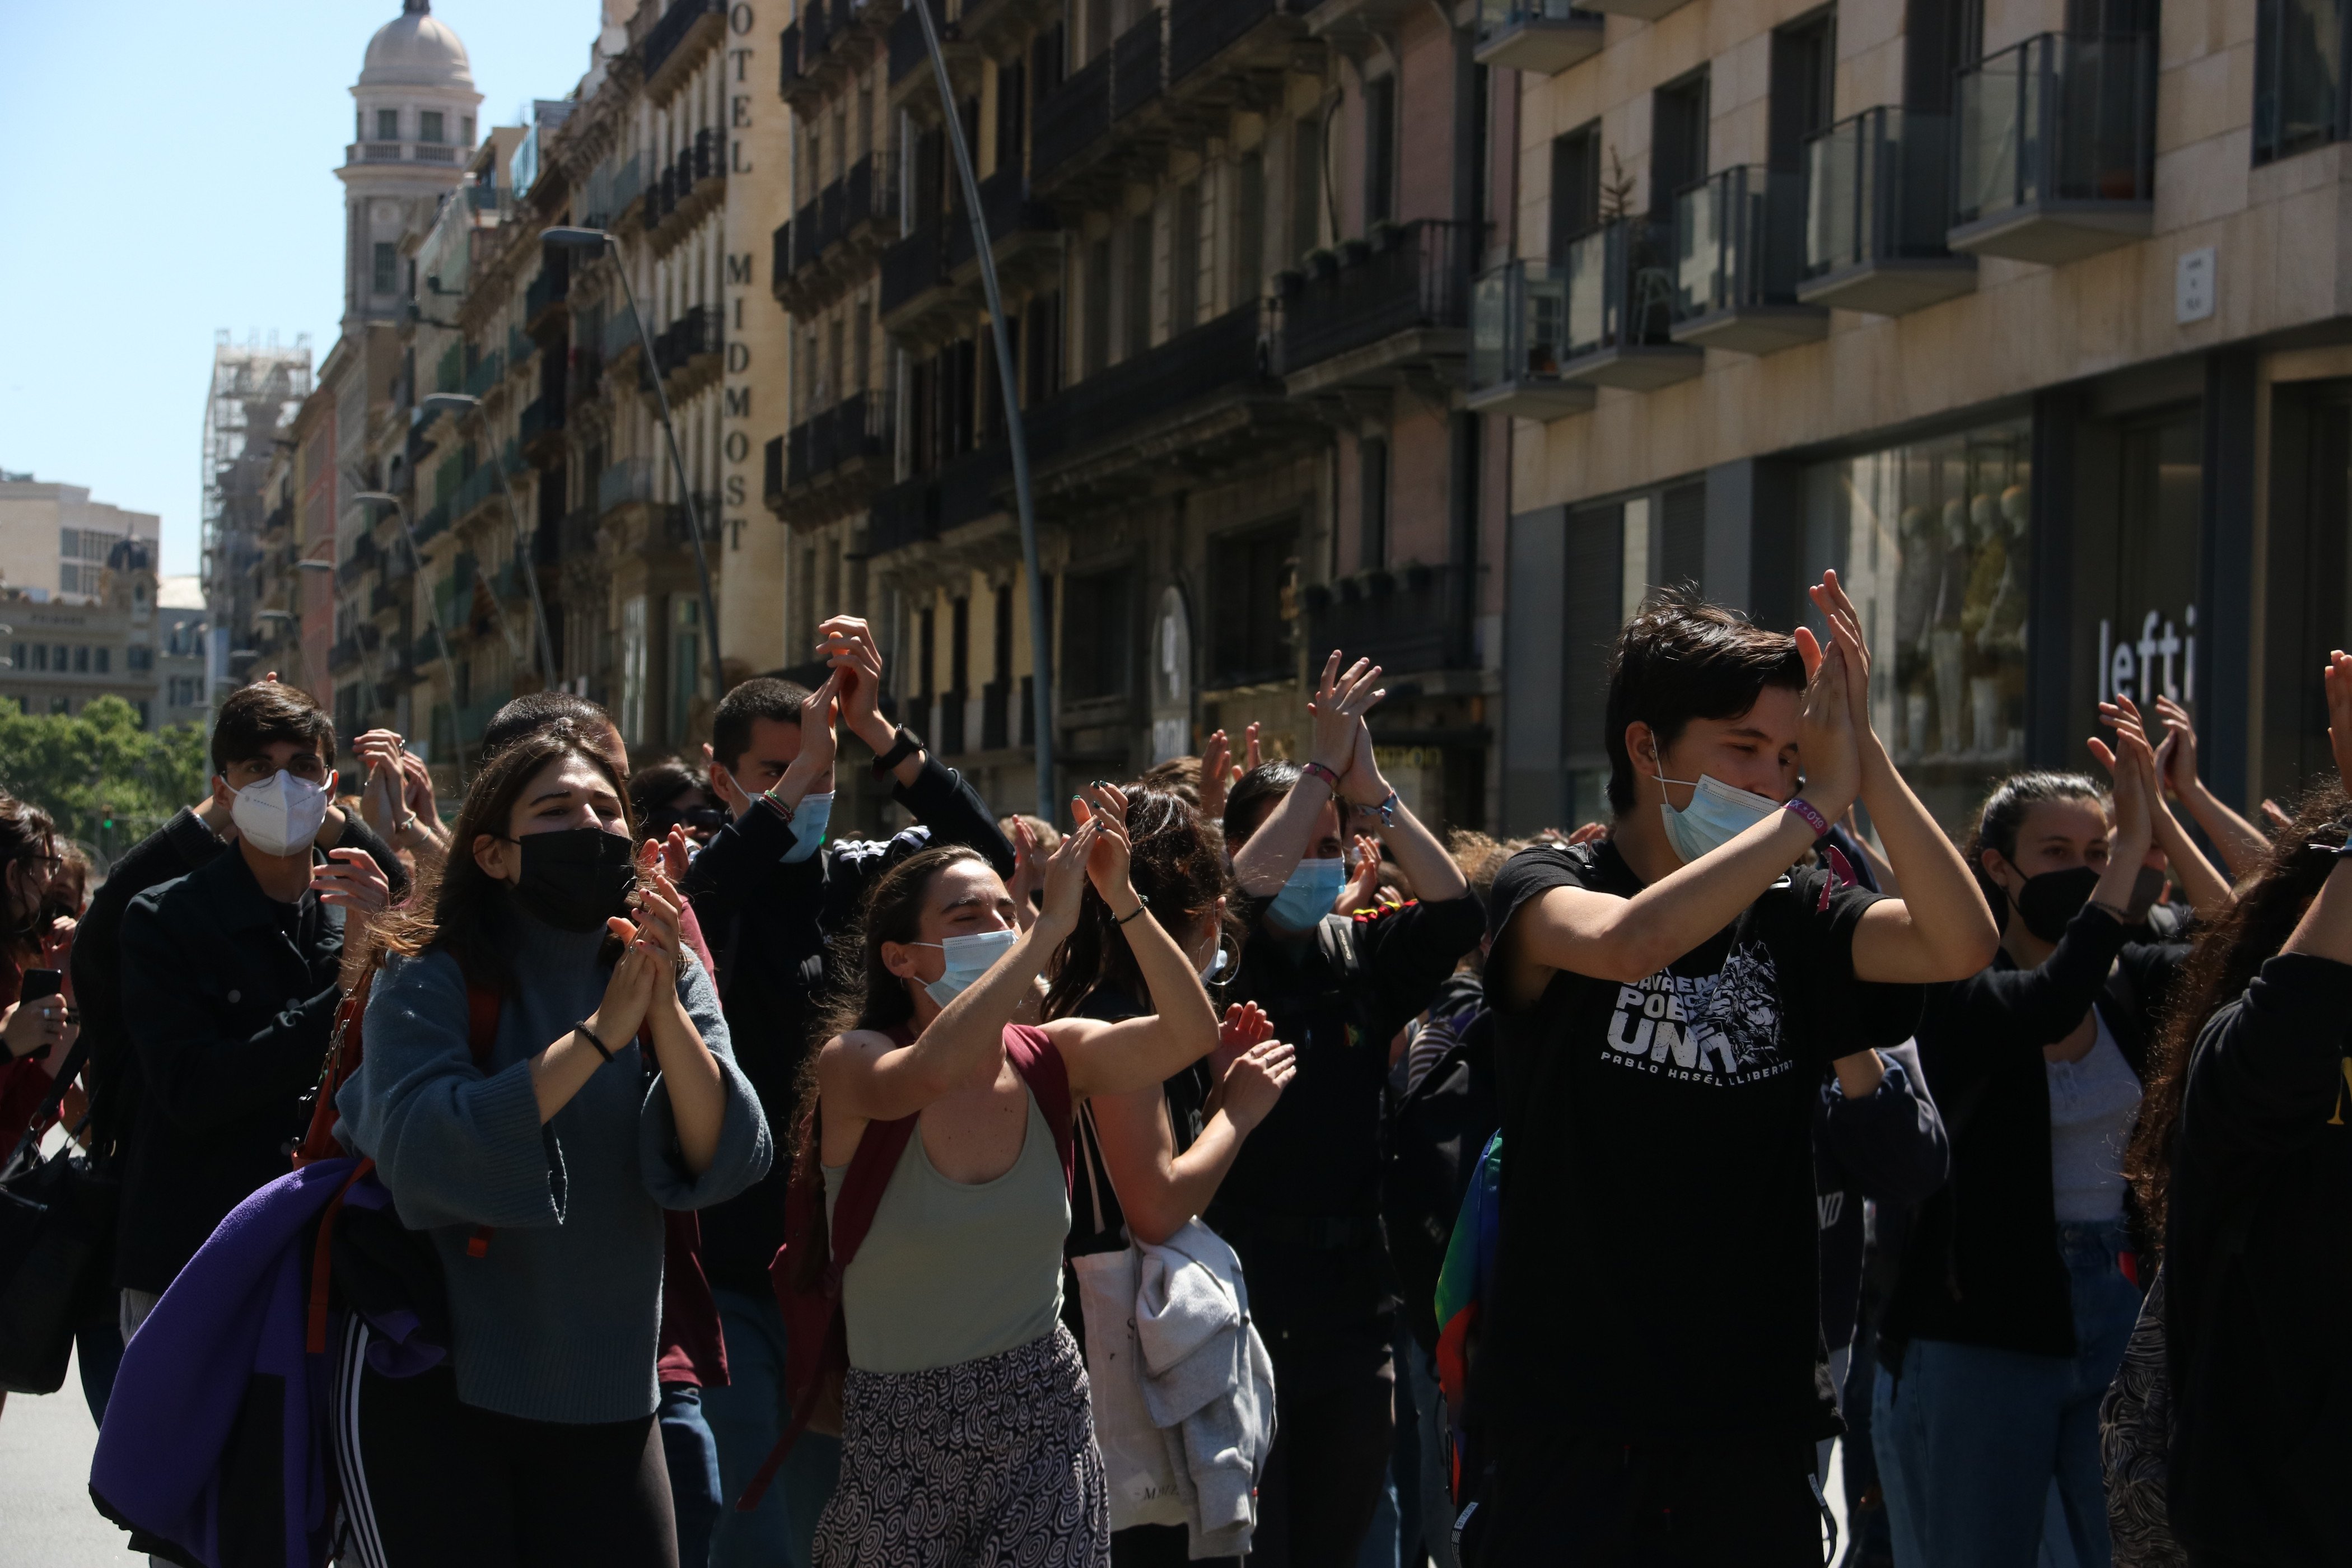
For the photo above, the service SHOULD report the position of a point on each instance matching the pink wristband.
(1805, 808)
(1325, 774)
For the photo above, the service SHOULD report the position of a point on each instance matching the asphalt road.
(46, 1519)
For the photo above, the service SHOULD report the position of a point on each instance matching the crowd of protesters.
(636, 1168)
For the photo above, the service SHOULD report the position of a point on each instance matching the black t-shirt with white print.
(1657, 1272)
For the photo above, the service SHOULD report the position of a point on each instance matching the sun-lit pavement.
(45, 1519)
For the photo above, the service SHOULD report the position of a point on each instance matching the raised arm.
(2242, 844)
(935, 795)
(1430, 866)
(2207, 889)
(1939, 929)
(1264, 863)
(1159, 1189)
(1140, 1052)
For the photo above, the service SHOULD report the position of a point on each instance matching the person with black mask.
(229, 980)
(2016, 1292)
(772, 893)
(1302, 1202)
(608, 1095)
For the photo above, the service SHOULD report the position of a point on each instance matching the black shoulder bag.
(57, 1233)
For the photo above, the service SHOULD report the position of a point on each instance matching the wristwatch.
(907, 746)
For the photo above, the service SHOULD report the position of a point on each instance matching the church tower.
(413, 135)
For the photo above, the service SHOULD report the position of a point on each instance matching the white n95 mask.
(281, 815)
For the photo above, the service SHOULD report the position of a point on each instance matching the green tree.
(107, 782)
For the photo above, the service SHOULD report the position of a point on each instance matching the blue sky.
(166, 169)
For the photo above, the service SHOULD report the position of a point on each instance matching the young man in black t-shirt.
(1665, 999)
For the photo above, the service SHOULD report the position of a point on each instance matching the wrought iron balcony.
(587, 375)
(1202, 31)
(553, 284)
(620, 333)
(1877, 204)
(772, 475)
(907, 51)
(1224, 355)
(1137, 58)
(486, 373)
(630, 479)
(1405, 293)
(1014, 220)
(1073, 121)
(1545, 36)
(696, 333)
(672, 29)
(1620, 308)
(788, 57)
(1411, 619)
(853, 431)
(913, 270)
(906, 513)
(541, 417)
(1518, 339)
(359, 562)
(2057, 156)
(1739, 239)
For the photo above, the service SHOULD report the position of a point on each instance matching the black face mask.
(2048, 902)
(575, 879)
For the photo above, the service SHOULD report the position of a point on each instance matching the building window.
(1249, 228)
(387, 125)
(633, 669)
(1095, 351)
(1575, 187)
(1253, 583)
(1677, 140)
(18, 656)
(1139, 285)
(951, 703)
(1379, 150)
(1184, 260)
(60, 706)
(1373, 467)
(685, 661)
(1804, 69)
(466, 129)
(428, 125)
(1934, 542)
(1097, 634)
(81, 660)
(146, 713)
(386, 267)
(104, 661)
(2298, 75)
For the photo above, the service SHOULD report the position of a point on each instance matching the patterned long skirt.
(985, 1464)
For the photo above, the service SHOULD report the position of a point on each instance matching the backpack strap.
(482, 1006)
(1039, 1062)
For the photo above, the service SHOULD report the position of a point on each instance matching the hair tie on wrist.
(589, 1034)
(1141, 904)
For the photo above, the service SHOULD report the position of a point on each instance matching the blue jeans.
(692, 1457)
(1970, 1439)
(747, 1417)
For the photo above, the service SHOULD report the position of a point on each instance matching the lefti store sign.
(2162, 660)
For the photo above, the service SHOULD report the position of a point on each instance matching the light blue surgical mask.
(809, 820)
(1217, 967)
(1309, 894)
(968, 958)
(1717, 815)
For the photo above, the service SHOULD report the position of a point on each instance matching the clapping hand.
(1339, 706)
(1362, 888)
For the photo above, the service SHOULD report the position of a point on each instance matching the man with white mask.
(230, 979)
(1652, 1380)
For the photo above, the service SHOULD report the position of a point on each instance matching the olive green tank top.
(956, 1270)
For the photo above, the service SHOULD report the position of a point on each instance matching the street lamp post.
(460, 402)
(601, 240)
(1016, 433)
(432, 611)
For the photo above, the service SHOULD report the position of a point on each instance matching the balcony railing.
(1216, 356)
(620, 333)
(587, 376)
(853, 429)
(694, 334)
(487, 372)
(477, 490)
(1877, 204)
(907, 513)
(553, 283)
(907, 51)
(1739, 238)
(1071, 119)
(540, 418)
(1005, 203)
(402, 152)
(1415, 276)
(1519, 340)
(2057, 154)
(1137, 58)
(1620, 308)
(1199, 30)
(672, 29)
(359, 562)
(1407, 619)
(788, 57)
(1545, 36)
(630, 479)
(914, 265)
(772, 473)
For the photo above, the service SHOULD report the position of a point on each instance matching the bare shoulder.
(851, 1051)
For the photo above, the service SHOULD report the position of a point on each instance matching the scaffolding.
(256, 388)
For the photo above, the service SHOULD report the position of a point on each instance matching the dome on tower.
(415, 49)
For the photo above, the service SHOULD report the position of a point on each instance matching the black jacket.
(229, 997)
(2258, 1275)
(1981, 1265)
(172, 851)
(769, 925)
(1889, 1147)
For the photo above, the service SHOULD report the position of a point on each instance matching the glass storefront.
(1932, 541)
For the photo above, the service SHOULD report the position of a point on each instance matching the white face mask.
(968, 958)
(1217, 966)
(1717, 813)
(281, 815)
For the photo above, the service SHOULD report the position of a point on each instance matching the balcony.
(358, 563)
(553, 284)
(587, 378)
(541, 417)
(1406, 620)
(911, 83)
(342, 655)
(1877, 204)
(676, 26)
(772, 475)
(476, 492)
(434, 523)
(621, 334)
(1739, 239)
(1544, 37)
(1518, 329)
(1397, 306)
(403, 152)
(1641, 10)
(1232, 36)
(1620, 308)
(630, 479)
(1138, 59)
(694, 335)
(487, 372)
(1128, 410)
(788, 66)
(914, 276)
(2057, 149)
(1019, 230)
(827, 246)
(1073, 124)
(907, 513)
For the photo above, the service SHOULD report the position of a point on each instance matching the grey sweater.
(557, 1321)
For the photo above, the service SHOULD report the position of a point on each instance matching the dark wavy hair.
(2002, 816)
(869, 997)
(1177, 862)
(26, 830)
(462, 909)
(2229, 953)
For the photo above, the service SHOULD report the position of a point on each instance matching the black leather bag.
(56, 1236)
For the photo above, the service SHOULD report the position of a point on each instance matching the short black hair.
(1682, 658)
(536, 711)
(1253, 797)
(256, 717)
(652, 788)
(761, 696)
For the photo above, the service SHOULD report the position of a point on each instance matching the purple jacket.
(215, 1439)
